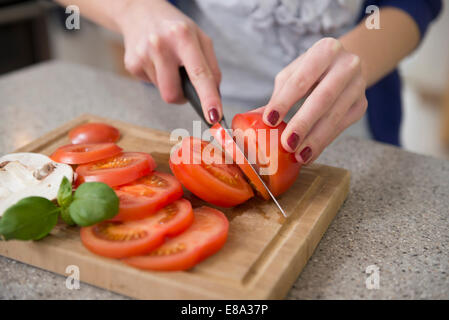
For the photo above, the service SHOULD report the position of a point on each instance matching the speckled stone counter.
(396, 215)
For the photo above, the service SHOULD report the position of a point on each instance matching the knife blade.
(192, 97)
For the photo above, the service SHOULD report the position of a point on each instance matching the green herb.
(65, 193)
(65, 198)
(93, 202)
(31, 218)
(65, 216)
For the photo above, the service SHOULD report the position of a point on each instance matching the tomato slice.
(147, 195)
(203, 238)
(84, 153)
(94, 133)
(115, 239)
(217, 183)
(230, 147)
(121, 169)
(287, 168)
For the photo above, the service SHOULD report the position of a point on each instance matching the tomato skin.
(228, 144)
(204, 184)
(151, 232)
(135, 206)
(206, 236)
(140, 164)
(85, 153)
(288, 168)
(93, 132)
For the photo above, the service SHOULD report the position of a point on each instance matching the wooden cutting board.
(261, 259)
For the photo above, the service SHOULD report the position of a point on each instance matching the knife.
(192, 97)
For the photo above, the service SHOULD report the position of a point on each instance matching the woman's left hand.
(331, 78)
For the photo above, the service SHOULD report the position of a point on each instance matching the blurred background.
(34, 31)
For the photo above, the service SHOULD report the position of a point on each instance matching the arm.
(381, 50)
(102, 12)
(158, 40)
(333, 75)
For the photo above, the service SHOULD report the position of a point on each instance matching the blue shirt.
(384, 98)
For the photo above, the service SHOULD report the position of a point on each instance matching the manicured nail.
(273, 117)
(213, 115)
(305, 154)
(292, 141)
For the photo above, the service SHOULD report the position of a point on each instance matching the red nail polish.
(213, 115)
(305, 154)
(292, 141)
(273, 117)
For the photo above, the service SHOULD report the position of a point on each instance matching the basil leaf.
(31, 218)
(93, 202)
(65, 215)
(65, 193)
(65, 198)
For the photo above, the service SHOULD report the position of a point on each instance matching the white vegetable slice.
(30, 174)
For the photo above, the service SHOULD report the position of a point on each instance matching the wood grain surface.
(262, 258)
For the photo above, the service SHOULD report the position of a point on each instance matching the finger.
(135, 68)
(142, 75)
(321, 135)
(134, 59)
(147, 64)
(193, 59)
(292, 86)
(167, 71)
(209, 53)
(133, 63)
(354, 114)
(320, 100)
(150, 71)
(258, 110)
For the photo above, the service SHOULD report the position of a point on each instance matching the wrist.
(125, 11)
(120, 12)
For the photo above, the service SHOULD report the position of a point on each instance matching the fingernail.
(305, 154)
(213, 115)
(273, 117)
(293, 140)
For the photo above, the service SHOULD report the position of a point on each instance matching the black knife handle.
(190, 93)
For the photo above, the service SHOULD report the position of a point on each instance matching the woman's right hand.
(158, 40)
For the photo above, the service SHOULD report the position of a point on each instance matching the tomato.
(147, 195)
(285, 167)
(121, 169)
(115, 239)
(84, 153)
(94, 133)
(203, 238)
(217, 183)
(230, 147)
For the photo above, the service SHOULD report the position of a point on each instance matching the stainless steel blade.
(225, 126)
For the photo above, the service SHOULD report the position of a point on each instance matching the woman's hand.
(332, 79)
(158, 40)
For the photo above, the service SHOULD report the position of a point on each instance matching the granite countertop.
(396, 216)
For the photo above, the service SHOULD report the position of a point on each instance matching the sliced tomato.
(286, 167)
(203, 238)
(84, 153)
(94, 133)
(147, 195)
(115, 239)
(121, 169)
(230, 147)
(217, 183)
